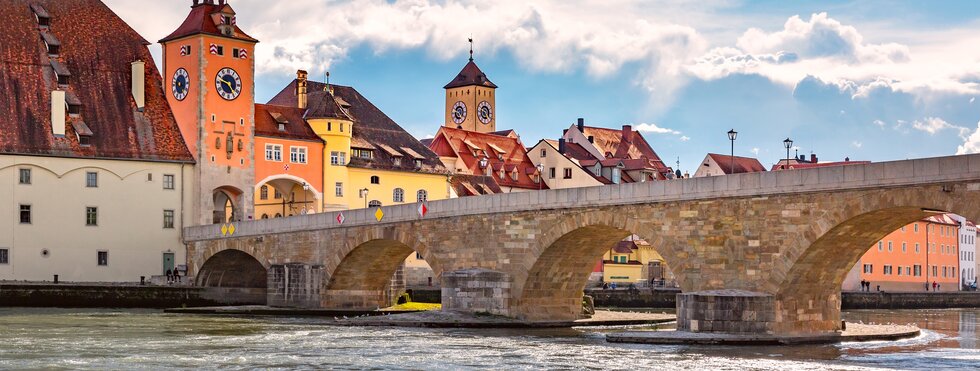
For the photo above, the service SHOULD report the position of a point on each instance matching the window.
(91, 216)
(916, 247)
(544, 153)
(276, 194)
(397, 161)
(904, 247)
(944, 271)
(935, 271)
(887, 270)
(915, 227)
(422, 195)
(91, 179)
(4, 256)
(25, 214)
(265, 216)
(881, 246)
(900, 270)
(273, 152)
(551, 173)
(25, 176)
(374, 203)
(615, 175)
(338, 158)
(168, 219)
(418, 163)
(168, 181)
(568, 173)
(398, 195)
(339, 189)
(220, 50)
(868, 268)
(341, 127)
(103, 257)
(297, 155)
(264, 192)
(917, 270)
(903, 230)
(234, 52)
(366, 154)
(375, 179)
(418, 256)
(889, 246)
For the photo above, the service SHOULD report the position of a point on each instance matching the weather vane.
(471, 48)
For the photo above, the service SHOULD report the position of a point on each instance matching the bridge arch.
(233, 268)
(359, 274)
(807, 289)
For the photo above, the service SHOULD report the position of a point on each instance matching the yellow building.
(368, 160)
(634, 261)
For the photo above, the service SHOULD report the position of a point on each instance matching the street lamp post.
(484, 162)
(306, 188)
(364, 194)
(732, 134)
(788, 143)
(540, 175)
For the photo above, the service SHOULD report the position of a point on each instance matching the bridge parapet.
(874, 175)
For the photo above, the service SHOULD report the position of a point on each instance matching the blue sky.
(869, 80)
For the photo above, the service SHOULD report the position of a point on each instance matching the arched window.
(264, 193)
(422, 196)
(265, 216)
(278, 215)
(398, 195)
(374, 203)
(375, 179)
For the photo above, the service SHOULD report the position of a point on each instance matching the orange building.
(288, 163)
(911, 258)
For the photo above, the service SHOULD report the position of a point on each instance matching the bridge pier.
(477, 291)
(294, 285)
(749, 312)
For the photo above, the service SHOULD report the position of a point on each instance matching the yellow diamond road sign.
(231, 229)
(379, 214)
(224, 229)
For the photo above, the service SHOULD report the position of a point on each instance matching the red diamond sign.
(423, 210)
(340, 218)
(285, 168)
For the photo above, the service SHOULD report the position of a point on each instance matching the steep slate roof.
(97, 47)
(451, 142)
(470, 75)
(372, 127)
(742, 164)
(199, 21)
(267, 120)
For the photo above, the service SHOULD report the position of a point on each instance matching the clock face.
(180, 84)
(228, 83)
(485, 112)
(459, 112)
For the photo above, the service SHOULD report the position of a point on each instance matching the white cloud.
(971, 144)
(972, 99)
(933, 125)
(856, 144)
(653, 128)
(880, 123)
(821, 36)
(684, 138)
(755, 151)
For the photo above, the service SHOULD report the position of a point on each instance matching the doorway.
(168, 262)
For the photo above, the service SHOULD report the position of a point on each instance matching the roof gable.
(470, 75)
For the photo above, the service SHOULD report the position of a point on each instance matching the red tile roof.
(623, 144)
(200, 21)
(470, 75)
(473, 185)
(372, 127)
(742, 164)
(267, 119)
(941, 219)
(451, 142)
(97, 47)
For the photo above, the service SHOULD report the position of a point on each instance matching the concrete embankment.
(68, 295)
(849, 300)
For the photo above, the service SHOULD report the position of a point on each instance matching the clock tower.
(209, 68)
(471, 100)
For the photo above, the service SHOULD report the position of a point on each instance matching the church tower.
(471, 100)
(208, 64)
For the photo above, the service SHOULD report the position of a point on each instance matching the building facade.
(912, 258)
(968, 251)
(558, 169)
(715, 164)
(95, 177)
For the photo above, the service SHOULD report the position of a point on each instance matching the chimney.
(813, 158)
(561, 146)
(301, 89)
(58, 112)
(591, 139)
(139, 80)
(628, 133)
(581, 125)
(847, 159)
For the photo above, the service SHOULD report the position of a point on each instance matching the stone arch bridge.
(753, 253)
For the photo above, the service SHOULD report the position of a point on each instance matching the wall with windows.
(901, 261)
(91, 220)
(282, 166)
(391, 184)
(560, 171)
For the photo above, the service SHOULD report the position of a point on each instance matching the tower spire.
(471, 48)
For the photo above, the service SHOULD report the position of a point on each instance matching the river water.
(145, 339)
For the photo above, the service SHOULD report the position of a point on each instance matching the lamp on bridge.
(540, 175)
(306, 188)
(364, 194)
(788, 143)
(484, 162)
(732, 134)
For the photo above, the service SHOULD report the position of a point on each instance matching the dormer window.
(418, 163)
(61, 73)
(41, 15)
(83, 132)
(51, 43)
(616, 175)
(73, 104)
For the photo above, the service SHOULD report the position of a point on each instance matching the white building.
(968, 250)
(94, 172)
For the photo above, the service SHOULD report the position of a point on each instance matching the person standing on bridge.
(934, 285)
